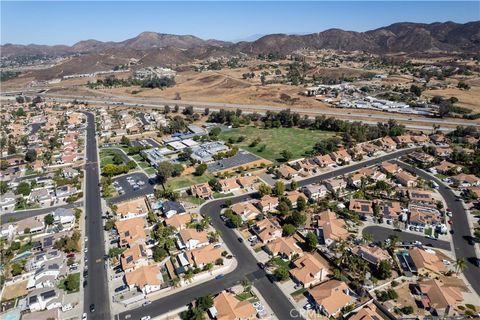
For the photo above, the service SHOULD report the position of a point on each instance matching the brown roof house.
(406, 179)
(268, 203)
(283, 247)
(439, 297)
(202, 190)
(287, 172)
(192, 238)
(227, 307)
(331, 228)
(331, 296)
(310, 270)
(147, 279)
(267, 230)
(372, 255)
(427, 262)
(246, 210)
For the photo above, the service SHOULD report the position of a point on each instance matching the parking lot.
(132, 186)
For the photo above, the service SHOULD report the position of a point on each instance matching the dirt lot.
(405, 298)
(14, 291)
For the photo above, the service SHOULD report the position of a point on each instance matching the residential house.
(247, 182)
(420, 196)
(268, 203)
(373, 255)
(305, 165)
(440, 298)
(331, 296)
(406, 179)
(293, 197)
(267, 230)
(64, 217)
(388, 144)
(315, 191)
(389, 209)
(7, 201)
(63, 192)
(45, 298)
(35, 224)
(178, 221)
(330, 227)
(227, 307)
(466, 180)
(370, 149)
(362, 207)
(324, 161)
(420, 139)
(134, 257)
(423, 216)
(422, 158)
(283, 247)
(171, 208)
(427, 261)
(446, 167)
(41, 196)
(229, 185)
(443, 152)
(310, 270)
(192, 238)
(204, 255)
(390, 168)
(336, 184)
(132, 209)
(403, 140)
(341, 156)
(147, 279)
(287, 172)
(131, 232)
(246, 210)
(202, 190)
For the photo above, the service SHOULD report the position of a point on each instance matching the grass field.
(188, 180)
(274, 141)
(106, 156)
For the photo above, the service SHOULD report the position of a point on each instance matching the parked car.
(146, 303)
(121, 288)
(240, 239)
(220, 276)
(84, 316)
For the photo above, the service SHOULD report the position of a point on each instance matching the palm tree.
(367, 237)
(205, 222)
(460, 265)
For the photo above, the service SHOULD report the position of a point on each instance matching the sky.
(67, 22)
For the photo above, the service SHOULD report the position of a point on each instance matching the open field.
(106, 156)
(188, 180)
(275, 140)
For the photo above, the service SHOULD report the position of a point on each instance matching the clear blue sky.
(68, 22)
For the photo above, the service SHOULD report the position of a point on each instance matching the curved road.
(460, 227)
(247, 264)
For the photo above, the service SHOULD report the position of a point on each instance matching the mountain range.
(399, 37)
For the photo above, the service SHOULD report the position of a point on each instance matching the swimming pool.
(22, 255)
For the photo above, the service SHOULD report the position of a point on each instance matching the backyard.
(271, 142)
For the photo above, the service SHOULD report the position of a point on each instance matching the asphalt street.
(96, 291)
(20, 215)
(460, 227)
(247, 266)
(382, 233)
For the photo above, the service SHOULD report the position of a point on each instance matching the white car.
(145, 318)
(84, 316)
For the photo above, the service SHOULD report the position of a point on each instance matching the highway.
(247, 264)
(412, 121)
(96, 291)
(460, 227)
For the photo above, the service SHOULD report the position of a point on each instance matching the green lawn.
(144, 164)
(192, 199)
(274, 141)
(188, 180)
(106, 156)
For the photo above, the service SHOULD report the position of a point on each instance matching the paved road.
(460, 227)
(6, 218)
(410, 121)
(247, 267)
(382, 233)
(96, 291)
